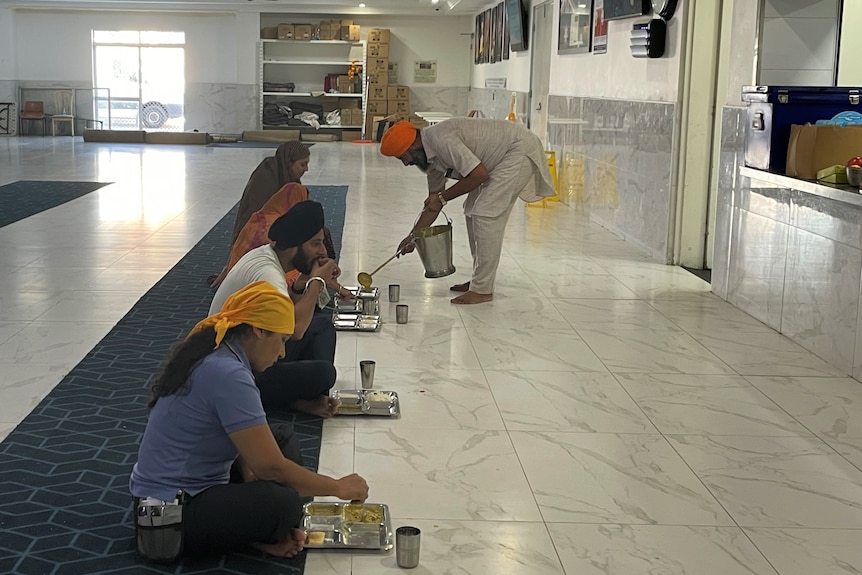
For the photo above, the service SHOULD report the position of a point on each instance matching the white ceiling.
(346, 7)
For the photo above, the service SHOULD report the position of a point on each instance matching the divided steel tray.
(367, 402)
(348, 526)
(359, 314)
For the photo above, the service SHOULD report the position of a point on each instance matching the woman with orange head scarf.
(279, 175)
(211, 474)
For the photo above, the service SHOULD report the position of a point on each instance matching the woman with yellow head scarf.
(208, 453)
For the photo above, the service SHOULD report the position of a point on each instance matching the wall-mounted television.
(517, 18)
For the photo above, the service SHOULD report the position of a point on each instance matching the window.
(140, 79)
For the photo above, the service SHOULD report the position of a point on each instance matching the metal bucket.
(434, 245)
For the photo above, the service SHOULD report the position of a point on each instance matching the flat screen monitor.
(517, 18)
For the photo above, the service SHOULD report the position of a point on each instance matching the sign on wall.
(425, 72)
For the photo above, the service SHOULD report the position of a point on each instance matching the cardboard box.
(350, 33)
(351, 135)
(344, 22)
(397, 92)
(351, 117)
(418, 122)
(378, 35)
(377, 50)
(377, 92)
(325, 31)
(812, 148)
(345, 84)
(349, 103)
(286, 31)
(397, 107)
(328, 103)
(269, 32)
(377, 107)
(302, 32)
(377, 79)
(378, 65)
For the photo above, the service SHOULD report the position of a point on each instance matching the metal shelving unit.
(306, 64)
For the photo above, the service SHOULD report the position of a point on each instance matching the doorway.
(140, 79)
(540, 68)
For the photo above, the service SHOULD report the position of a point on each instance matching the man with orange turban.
(495, 162)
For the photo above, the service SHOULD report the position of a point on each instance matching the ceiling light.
(362, 5)
(435, 1)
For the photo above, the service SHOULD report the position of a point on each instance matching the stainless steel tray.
(367, 402)
(356, 322)
(359, 314)
(348, 526)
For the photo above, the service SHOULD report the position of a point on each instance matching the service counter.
(789, 252)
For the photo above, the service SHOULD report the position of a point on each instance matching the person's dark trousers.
(307, 370)
(318, 342)
(237, 514)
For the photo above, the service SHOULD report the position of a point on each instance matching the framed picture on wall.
(600, 28)
(477, 40)
(576, 19)
(505, 34)
(615, 9)
(486, 33)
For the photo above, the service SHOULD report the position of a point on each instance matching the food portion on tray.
(348, 526)
(367, 402)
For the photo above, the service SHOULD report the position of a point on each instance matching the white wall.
(739, 49)
(8, 64)
(799, 42)
(615, 74)
(849, 65)
(442, 38)
(213, 48)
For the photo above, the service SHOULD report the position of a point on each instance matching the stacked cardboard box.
(377, 73)
(285, 32)
(398, 100)
(337, 30)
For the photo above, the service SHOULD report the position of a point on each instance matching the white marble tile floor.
(604, 415)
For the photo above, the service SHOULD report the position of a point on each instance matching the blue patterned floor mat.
(65, 507)
(23, 199)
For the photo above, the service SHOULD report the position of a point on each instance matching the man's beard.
(419, 159)
(301, 262)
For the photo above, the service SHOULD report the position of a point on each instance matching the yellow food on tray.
(325, 510)
(363, 514)
(316, 537)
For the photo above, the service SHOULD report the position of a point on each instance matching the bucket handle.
(448, 221)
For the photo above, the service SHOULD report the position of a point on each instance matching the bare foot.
(323, 406)
(472, 297)
(291, 545)
(460, 287)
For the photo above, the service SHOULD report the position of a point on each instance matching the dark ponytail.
(174, 372)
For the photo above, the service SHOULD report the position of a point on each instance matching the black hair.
(174, 372)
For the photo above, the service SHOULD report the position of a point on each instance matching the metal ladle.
(364, 279)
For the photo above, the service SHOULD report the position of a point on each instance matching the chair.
(33, 111)
(64, 110)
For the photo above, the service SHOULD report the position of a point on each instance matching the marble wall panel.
(756, 272)
(495, 103)
(730, 159)
(619, 155)
(821, 296)
(451, 99)
(221, 108)
(765, 200)
(828, 218)
(8, 91)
